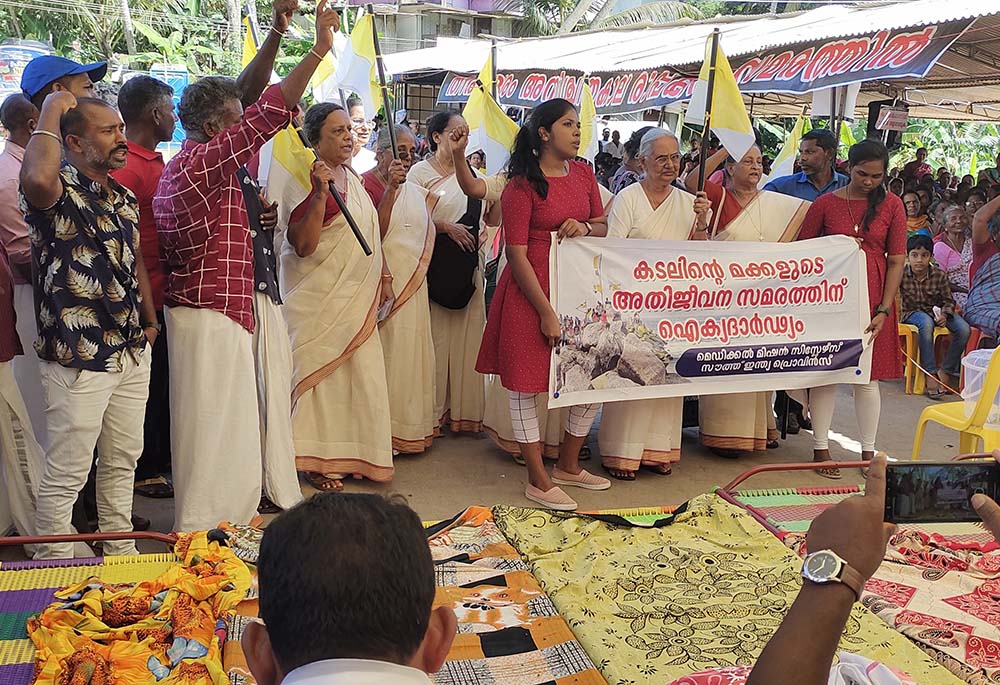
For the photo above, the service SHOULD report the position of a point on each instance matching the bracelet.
(315, 54)
(589, 227)
(152, 324)
(50, 134)
(386, 277)
(281, 34)
(701, 229)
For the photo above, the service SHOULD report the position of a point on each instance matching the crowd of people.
(178, 318)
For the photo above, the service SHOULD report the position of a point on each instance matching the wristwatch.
(825, 567)
(881, 309)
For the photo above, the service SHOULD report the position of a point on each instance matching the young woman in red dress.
(864, 211)
(548, 194)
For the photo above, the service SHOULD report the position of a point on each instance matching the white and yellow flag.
(728, 119)
(784, 163)
(356, 71)
(490, 130)
(284, 172)
(589, 125)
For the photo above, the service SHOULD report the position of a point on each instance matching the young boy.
(926, 303)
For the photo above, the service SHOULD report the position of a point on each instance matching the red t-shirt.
(141, 175)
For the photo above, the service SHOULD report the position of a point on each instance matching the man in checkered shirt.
(205, 236)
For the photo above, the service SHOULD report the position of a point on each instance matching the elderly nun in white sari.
(333, 291)
(734, 424)
(647, 433)
(405, 328)
(460, 392)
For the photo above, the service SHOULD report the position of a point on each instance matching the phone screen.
(937, 492)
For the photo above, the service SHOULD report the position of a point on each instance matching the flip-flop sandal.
(773, 444)
(584, 453)
(518, 459)
(660, 470)
(324, 483)
(936, 395)
(266, 506)
(630, 475)
(832, 474)
(154, 488)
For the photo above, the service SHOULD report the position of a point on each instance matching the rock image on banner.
(648, 318)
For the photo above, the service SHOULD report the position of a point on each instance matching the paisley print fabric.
(707, 591)
(86, 289)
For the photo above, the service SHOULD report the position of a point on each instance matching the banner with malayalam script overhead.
(802, 68)
(650, 318)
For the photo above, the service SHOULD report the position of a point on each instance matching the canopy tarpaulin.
(776, 58)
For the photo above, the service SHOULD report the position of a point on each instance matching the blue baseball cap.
(45, 69)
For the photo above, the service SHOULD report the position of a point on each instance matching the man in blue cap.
(50, 73)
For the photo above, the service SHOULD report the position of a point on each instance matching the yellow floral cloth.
(166, 631)
(650, 605)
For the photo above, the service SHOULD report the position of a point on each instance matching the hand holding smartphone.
(928, 492)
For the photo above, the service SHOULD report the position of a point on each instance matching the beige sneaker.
(550, 499)
(584, 479)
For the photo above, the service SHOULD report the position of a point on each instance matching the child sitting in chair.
(926, 303)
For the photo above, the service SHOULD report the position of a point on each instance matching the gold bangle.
(50, 134)
(386, 277)
(315, 54)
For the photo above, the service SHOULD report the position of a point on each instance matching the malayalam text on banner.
(648, 318)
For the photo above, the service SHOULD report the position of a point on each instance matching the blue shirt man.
(817, 152)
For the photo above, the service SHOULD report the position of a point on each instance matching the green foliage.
(661, 12)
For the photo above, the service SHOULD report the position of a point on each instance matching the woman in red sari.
(548, 194)
(864, 211)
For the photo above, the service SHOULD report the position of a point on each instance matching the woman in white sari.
(405, 329)
(648, 432)
(731, 425)
(340, 400)
(457, 333)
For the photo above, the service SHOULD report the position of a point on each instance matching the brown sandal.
(324, 483)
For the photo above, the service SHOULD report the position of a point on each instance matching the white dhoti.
(273, 364)
(25, 366)
(215, 428)
(641, 433)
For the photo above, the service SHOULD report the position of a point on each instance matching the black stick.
(390, 117)
(340, 203)
(707, 132)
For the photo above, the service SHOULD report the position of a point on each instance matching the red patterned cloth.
(850, 669)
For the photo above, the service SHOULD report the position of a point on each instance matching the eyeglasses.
(363, 123)
(663, 161)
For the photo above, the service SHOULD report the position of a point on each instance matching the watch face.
(822, 566)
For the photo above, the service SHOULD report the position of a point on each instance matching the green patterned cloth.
(653, 604)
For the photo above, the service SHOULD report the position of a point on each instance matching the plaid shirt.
(202, 219)
(923, 294)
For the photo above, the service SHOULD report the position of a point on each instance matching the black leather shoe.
(805, 423)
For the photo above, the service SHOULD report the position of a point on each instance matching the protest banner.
(801, 68)
(648, 318)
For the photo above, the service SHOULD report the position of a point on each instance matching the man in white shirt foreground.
(346, 591)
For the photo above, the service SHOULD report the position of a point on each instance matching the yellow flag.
(356, 71)
(249, 46)
(490, 129)
(486, 74)
(589, 145)
(784, 163)
(287, 163)
(729, 118)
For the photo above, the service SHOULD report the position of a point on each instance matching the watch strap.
(850, 577)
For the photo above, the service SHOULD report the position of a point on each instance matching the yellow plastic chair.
(915, 380)
(971, 428)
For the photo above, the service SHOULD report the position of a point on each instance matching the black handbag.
(450, 274)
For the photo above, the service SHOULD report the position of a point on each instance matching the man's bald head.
(18, 117)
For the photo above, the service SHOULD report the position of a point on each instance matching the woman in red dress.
(864, 211)
(548, 193)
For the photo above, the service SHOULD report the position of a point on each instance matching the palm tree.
(660, 12)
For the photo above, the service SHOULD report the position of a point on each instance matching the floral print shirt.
(86, 289)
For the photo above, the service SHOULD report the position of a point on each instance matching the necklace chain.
(850, 212)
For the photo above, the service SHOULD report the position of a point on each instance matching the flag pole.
(333, 189)
(390, 117)
(493, 68)
(707, 132)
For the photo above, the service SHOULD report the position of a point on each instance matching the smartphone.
(927, 492)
